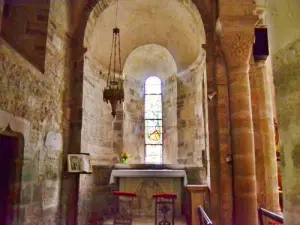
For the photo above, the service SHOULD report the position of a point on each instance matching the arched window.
(153, 121)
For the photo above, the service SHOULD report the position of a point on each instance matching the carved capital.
(237, 48)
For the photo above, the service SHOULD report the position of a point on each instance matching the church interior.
(149, 112)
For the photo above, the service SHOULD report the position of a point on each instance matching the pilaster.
(265, 147)
(223, 112)
(71, 184)
(236, 41)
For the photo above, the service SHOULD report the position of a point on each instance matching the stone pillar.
(237, 41)
(70, 185)
(213, 178)
(226, 200)
(264, 133)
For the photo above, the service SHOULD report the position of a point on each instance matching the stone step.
(148, 221)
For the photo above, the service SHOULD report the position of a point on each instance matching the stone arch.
(159, 62)
(95, 7)
(143, 62)
(18, 129)
(11, 123)
(187, 24)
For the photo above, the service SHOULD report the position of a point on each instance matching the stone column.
(213, 178)
(264, 133)
(226, 197)
(70, 185)
(237, 41)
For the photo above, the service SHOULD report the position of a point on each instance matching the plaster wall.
(284, 34)
(282, 21)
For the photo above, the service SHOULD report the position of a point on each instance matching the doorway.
(9, 177)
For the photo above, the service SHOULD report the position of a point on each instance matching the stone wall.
(29, 33)
(101, 133)
(133, 127)
(96, 201)
(170, 135)
(143, 62)
(102, 137)
(191, 117)
(37, 98)
(40, 99)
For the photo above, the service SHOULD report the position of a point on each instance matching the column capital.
(233, 23)
(237, 48)
(237, 38)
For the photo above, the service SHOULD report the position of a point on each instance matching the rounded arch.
(97, 7)
(150, 60)
(142, 23)
(153, 80)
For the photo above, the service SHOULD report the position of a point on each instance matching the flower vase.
(124, 161)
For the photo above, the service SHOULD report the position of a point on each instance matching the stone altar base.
(148, 221)
(144, 188)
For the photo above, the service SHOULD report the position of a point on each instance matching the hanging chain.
(117, 13)
(108, 76)
(111, 81)
(115, 56)
(120, 65)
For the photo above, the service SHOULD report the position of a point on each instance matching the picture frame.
(79, 163)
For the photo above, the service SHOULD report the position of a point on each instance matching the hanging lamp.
(114, 91)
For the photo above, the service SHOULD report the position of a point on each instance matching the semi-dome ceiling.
(173, 24)
(150, 60)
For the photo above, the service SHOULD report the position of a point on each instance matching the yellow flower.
(125, 155)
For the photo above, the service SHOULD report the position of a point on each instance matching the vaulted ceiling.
(173, 24)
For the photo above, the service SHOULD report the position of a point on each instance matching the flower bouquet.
(124, 157)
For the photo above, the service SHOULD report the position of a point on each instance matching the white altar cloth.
(148, 173)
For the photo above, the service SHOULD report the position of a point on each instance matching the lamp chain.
(117, 13)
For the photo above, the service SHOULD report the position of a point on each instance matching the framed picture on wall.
(79, 163)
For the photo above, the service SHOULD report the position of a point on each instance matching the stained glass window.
(153, 121)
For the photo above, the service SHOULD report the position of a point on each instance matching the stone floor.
(148, 221)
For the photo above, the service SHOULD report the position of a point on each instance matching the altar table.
(146, 182)
(148, 173)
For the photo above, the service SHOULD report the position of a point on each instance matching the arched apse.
(180, 36)
(146, 22)
(143, 62)
(149, 60)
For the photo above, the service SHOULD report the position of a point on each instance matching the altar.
(146, 182)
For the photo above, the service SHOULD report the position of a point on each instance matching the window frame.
(162, 123)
